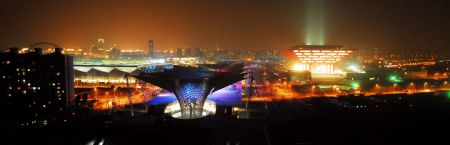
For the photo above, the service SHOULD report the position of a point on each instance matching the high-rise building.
(151, 50)
(197, 52)
(36, 88)
(179, 52)
(219, 52)
(99, 47)
(100, 43)
(237, 53)
(115, 52)
(188, 52)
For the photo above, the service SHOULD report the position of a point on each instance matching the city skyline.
(224, 72)
(401, 25)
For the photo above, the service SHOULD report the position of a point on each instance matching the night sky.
(399, 25)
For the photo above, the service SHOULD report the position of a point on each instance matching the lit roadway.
(283, 92)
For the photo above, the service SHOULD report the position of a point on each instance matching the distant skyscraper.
(35, 89)
(100, 42)
(179, 52)
(115, 52)
(376, 54)
(188, 52)
(218, 52)
(197, 52)
(237, 53)
(99, 47)
(151, 50)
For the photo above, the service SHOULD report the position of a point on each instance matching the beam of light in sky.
(315, 22)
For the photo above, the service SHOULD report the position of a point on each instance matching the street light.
(395, 85)
(411, 86)
(290, 88)
(378, 88)
(114, 92)
(96, 92)
(115, 98)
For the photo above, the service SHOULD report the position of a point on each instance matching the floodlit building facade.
(318, 59)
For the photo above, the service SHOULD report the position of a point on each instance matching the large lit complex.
(319, 59)
(86, 75)
(110, 72)
(192, 85)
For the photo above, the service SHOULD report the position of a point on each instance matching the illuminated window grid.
(321, 56)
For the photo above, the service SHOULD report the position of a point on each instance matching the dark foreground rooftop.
(388, 119)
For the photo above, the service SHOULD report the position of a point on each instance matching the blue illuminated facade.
(191, 96)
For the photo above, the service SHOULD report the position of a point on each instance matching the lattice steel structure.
(191, 96)
(192, 85)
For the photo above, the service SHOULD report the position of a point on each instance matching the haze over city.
(253, 24)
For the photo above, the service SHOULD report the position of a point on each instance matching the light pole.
(129, 95)
(96, 93)
(105, 99)
(290, 88)
(377, 88)
(115, 100)
(114, 92)
(395, 86)
(411, 87)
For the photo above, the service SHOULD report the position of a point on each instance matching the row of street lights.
(411, 86)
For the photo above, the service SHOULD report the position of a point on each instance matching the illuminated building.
(319, 59)
(107, 74)
(73, 52)
(192, 85)
(237, 53)
(100, 46)
(115, 52)
(36, 89)
(187, 61)
(299, 77)
(174, 109)
(102, 75)
(129, 53)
